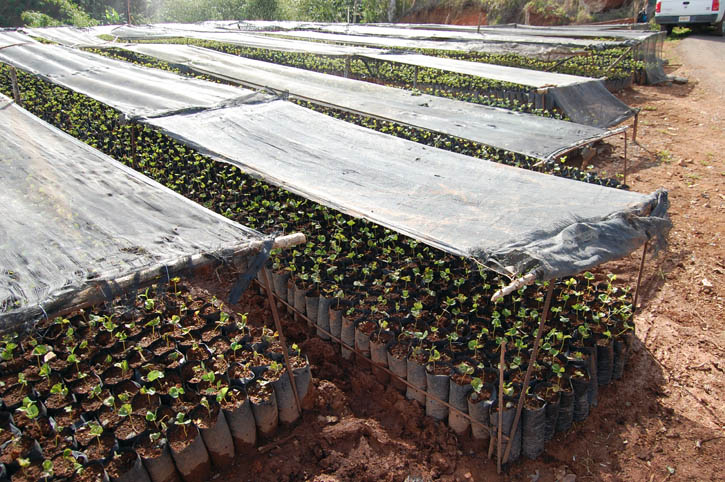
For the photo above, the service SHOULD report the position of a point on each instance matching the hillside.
(534, 12)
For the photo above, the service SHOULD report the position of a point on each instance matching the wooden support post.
(15, 87)
(624, 178)
(347, 67)
(639, 277)
(415, 78)
(282, 341)
(128, 12)
(499, 402)
(635, 127)
(529, 370)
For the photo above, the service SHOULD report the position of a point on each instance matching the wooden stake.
(16, 89)
(128, 12)
(639, 277)
(624, 179)
(415, 78)
(635, 128)
(619, 59)
(499, 401)
(282, 341)
(529, 370)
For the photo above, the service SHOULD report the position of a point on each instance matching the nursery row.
(426, 302)
(429, 81)
(437, 140)
(453, 355)
(340, 249)
(596, 63)
(166, 382)
(593, 62)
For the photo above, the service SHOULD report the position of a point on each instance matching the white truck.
(691, 13)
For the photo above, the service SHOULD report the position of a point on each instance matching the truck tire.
(720, 28)
(669, 29)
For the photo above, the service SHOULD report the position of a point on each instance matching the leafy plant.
(182, 421)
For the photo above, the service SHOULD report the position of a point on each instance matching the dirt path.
(665, 420)
(705, 58)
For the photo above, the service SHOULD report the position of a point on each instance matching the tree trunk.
(392, 7)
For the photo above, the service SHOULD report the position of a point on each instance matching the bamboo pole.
(530, 369)
(619, 59)
(639, 277)
(624, 179)
(499, 398)
(635, 127)
(16, 89)
(514, 285)
(580, 144)
(561, 61)
(282, 341)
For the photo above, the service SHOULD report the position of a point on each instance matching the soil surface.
(665, 420)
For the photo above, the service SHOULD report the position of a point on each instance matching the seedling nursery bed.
(423, 317)
(161, 386)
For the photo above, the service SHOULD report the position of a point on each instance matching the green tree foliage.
(337, 10)
(261, 10)
(16, 13)
(323, 10)
(42, 13)
(199, 10)
(114, 11)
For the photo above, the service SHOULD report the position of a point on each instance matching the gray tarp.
(73, 217)
(154, 32)
(585, 101)
(526, 134)
(514, 75)
(72, 36)
(134, 90)
(549, 34)
(647, 45)
(508, 218)
(11, 37)
(495, 35)
(573, 31)
(530, 78)
(598, 109)
(488, 46)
